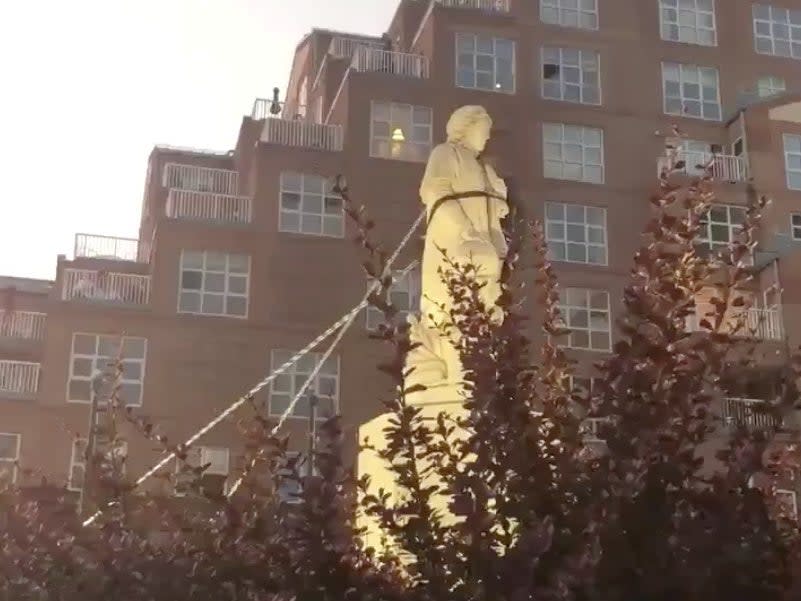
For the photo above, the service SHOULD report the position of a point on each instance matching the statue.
(465, 201)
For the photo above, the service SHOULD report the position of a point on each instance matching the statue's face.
(478, 134)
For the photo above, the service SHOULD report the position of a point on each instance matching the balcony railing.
(303, 134)
(19, 377)
(764, 324)
(205, 206)
(23, 325)
(106, 247)
(723, 167)
(738, 411)
(201, 179)
(500, 6)
(344, 47)
(107, 287)
(396, 63)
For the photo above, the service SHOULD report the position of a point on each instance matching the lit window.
(324, 387)
(770, 86)
(309, 206)
(214, 283)
(691, 91)
(485, 63)
(91, 372)
(792, 160)
(777, 31)
(9, 457)
(77, 472)
(586, 314)
(720, 226)
(573, 152)
(795, 226)
(688, 21)
(571, 75)
(575, 233)
(570, 13)
(400, 131)
(404, 294)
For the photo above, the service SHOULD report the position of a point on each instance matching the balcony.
(106, 287)
(763, 324)
(19, 379)
(106, 247)
(207, 206)
(738, 411)
(201, 179)
(22, 325)
(498, 6)
(721, 167)
(395, 63)
(302, 134)
(345, 47)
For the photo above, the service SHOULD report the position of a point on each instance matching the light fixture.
(275, 105)
(397, 135)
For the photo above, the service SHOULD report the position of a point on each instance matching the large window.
(400, 131)
(575, 233)
(485, 63)
(691, 91)
(570, 13)
(770, 86)
(689, 21)
(9, 457)
(795, 226)
(777, 30)
(324, 387)
(792, 160)
(213, 480)
(77, 465)
(309, 206)
(719, 227)
(90, 359)
(573, 152)
(404, 294)
(586, 314)
(571, 75)
(214, 283)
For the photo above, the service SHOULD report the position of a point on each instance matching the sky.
(88, 87)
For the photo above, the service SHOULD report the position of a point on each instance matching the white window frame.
(771, 85)
(408, 284)
(462, 35)
(574, 59)
(584, 16)
(14, 461)
(78, 462)
(705, 235)
(566, 223)
(565, 308)
(283, 494)
(198, 456)
(308, 184)
(576, 141)
(408, 148)
(96, 368)
(288, 383)
(226, 273)
(690, 75)
(795, 228)
(686, 33)
(793, 496)
(777, 30)
(788, 170)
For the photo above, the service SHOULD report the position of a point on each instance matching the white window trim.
(14, 462)
(195, 458)
(770, 88)
(74, 464)
(495, 90)
(564, 310)
(413, 289)
(714, 29)
(587, 226)
(246, 295)
(412, 107)
(683, 99)
(787, 170)
(123, 380)
(562, 98)
(583, 146)
(794, 227)
(292, 373)
(557, 4)
(792, 494)
(771, 8)
(326, 182)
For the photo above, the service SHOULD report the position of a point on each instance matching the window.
(214, 283)
(213, 479)
(573, 152)
(787, 502)
(77, 465)
(571, 75)
(792, 160)
(90, 357)
(9, 457)
(770, 86)
(696, 155)
(325, 386)
(586, 314)
(691, 91)
(400, 131)
(570, 13)
(795, 226)
(309, 206)
(290, 486)
(404, 294)
(720, 225)
(575, 233)
(485, 63)
(777, 31)
(688, 21)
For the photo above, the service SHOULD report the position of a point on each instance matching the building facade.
(244, 256)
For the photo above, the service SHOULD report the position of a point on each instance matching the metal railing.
(206, 206)
(108, 287)
(25, 325)
(396, 63)
(344, 47)
(200, 179)
(19, 377)
(302, 133)
(106, 247)
(765, 324)
(723, 167)
(501, 6)
(745, 411)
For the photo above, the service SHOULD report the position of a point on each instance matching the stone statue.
(465, 200)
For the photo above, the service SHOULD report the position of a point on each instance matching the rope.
(343, 322)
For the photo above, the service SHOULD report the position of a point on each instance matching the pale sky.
(89, 86)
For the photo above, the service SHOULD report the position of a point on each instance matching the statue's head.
(470, 126)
